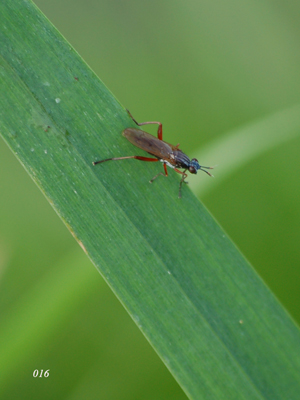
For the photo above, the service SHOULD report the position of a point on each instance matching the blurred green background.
(206, 69)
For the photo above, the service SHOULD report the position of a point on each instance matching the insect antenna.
(202, 168)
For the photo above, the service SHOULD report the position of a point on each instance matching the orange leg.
(124, 158)
(160, 173)
(159, 130)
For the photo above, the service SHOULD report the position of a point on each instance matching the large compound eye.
(192, 170)
(195, 159)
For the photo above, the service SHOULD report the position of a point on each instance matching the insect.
(164, 152)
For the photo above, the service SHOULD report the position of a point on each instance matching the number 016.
(41, 374)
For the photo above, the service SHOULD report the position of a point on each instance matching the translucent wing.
(149, 143)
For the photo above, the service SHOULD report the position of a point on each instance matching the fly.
(164, 152)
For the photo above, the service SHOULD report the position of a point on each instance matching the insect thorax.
(181, 159)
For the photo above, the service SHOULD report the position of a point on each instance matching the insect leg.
(184, 176)
(159, 130)
(161, 173)
(124, 158)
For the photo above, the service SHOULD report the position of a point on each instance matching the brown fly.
(164, 152)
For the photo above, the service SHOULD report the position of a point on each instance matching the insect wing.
(148, 143)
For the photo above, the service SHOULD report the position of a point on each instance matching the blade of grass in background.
(211, 319)
(243, 145)
(57, 293)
